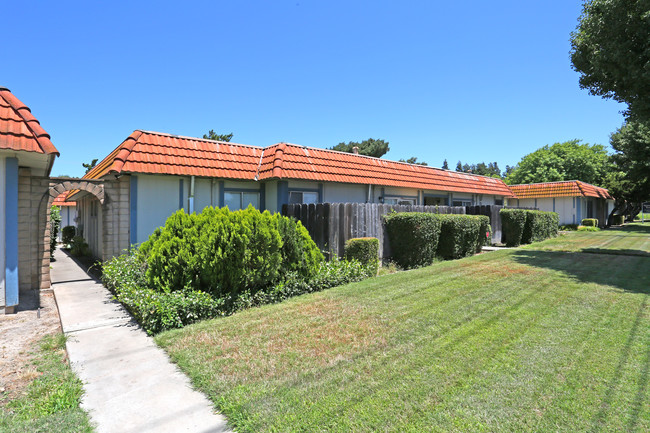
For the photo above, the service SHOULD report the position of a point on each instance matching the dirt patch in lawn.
(20, 332)
(321, 333)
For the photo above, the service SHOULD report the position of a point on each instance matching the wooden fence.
(331, 224)
(491, 211)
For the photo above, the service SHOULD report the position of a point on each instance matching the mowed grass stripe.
(517, 340)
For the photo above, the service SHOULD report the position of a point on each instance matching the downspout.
(369, 193)
(192, 195)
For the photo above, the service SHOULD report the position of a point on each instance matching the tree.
(369, 147)
(211, 135)
(90, 166)
(570, 160)
(490, 169)
(610, 49)
(413, 160)
(629, 182)
(445, 165)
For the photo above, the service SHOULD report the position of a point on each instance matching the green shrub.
(365, 250)
(513, 222)
(588, 229)
(589, 222)
(413, 238)
(618, 220)
(67, 233)
(330, 274)
(485, 233)
(569, 227)
(55, 224)
(461, 235)
(125, 270)
(157, 312)
(300, 253)
(223, 253)
(79, 247)
(539, 226)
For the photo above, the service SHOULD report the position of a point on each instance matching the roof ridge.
(278, 160)
(385, 160)
(184, 137)
(544, 183)
(46, 146)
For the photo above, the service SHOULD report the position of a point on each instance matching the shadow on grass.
(616, 252)
(627, 272)
(639, 228)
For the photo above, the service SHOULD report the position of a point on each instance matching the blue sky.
(472, 81)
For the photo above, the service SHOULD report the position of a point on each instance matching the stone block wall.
(31, 190)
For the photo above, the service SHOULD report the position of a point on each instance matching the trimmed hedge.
(523, 226)
(461, 235)
(513, 222)
(539, 226)
(589, 222)
(366, 251)
(618, 220)
(68, 233)
(223, 253)
(413, 238)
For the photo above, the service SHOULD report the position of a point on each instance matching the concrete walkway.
(130, 385)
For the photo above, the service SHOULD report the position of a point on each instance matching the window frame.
(241, 193)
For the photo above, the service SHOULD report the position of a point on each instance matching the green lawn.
(631, 239)
(530, 339)
(51, 401)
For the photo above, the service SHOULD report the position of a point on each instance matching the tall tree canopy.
(630, 180)
(611, 51)
(89, 166)
(211, 135)
(570, 160)
(369, 147)
(445, 165)
(490, 169)
(413, 160)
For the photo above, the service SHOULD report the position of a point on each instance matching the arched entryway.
(57, 186)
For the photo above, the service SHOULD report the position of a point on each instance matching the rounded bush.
(224, 253)
(366, 251)
(513, 222)
(589, 222)
(413, 238)
(461, 235)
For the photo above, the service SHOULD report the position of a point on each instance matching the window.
(303, 197)
(399, 200)
(462, 202)
(435, 201)
(498, 201)
(236, 200)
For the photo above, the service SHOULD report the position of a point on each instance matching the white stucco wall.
(157, 198)
(206, 193)
(344, 193)
(90, 223)
(68, 214)
(271, 188)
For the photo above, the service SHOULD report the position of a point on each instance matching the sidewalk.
(130, 385)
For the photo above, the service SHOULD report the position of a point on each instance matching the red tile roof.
(61, 200)
(290, 161)
(571, 188)
(19, 129)
(156, 153)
